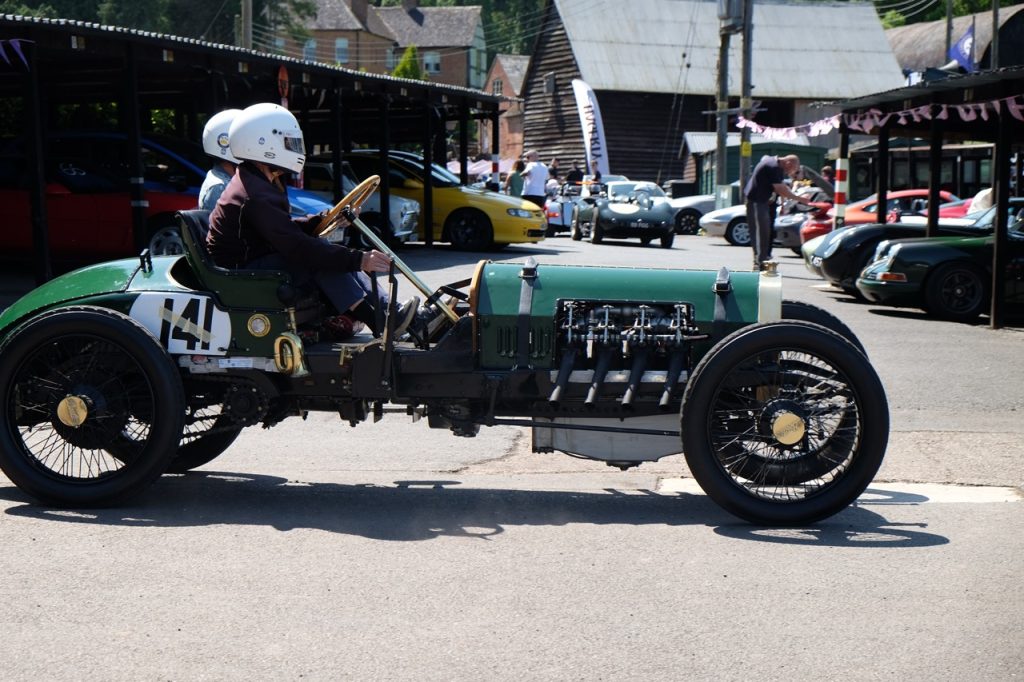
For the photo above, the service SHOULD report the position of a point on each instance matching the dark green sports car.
(626, 210)
(949, 277)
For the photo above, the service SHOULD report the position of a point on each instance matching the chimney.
(410, 5)
(359, 9)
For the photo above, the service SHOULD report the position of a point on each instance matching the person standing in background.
(536, 174)
(576, 174)
(514, 180)
(767, 179)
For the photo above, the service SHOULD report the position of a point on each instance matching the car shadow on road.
(417, 510)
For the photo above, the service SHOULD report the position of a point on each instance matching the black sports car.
(849, 250)
(626, 210)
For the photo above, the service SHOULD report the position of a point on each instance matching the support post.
(842, 187)
(464, 143)
(495, 183)
(934, 177)
(1000, 245)
(882, 176)
(36, 168)
(427, 209)
(130, 123)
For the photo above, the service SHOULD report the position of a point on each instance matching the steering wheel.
(354, 199)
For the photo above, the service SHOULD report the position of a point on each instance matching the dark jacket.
(252, 219)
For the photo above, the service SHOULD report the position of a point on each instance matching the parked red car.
(866, 210)
(88, 199)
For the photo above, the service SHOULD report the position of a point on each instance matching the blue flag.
(963, 50)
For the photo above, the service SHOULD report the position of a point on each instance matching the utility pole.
(722, 193)
(993, 61)
(730, 21)
(247, 24)
(949, 25)
(746, 105)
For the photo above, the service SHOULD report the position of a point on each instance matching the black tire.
(957, 292)
(106, 370)
(576, 234)
(645, 241)
(805, 312)
(784, 423)
(687, 221)
(469, 230)
(549, 230)
(596, 234)
(738, 232)
(207, 435)
(165, 238)
(667, 239)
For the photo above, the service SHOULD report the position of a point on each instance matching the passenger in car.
(215, 144)
(251, 227)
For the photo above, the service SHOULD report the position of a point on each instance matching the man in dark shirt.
(767, 178)
(251, 225)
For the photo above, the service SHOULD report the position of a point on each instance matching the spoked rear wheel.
(208, 433)
(93, 407)
(784, 423)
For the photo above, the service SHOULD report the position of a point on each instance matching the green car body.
(949, 277)
(117, 373)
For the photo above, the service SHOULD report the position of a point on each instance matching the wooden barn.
(653, 67)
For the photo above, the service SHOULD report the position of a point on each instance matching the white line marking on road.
(893, 493)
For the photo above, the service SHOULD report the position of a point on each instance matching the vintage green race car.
(119, 372)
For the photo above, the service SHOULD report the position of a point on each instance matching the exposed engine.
(622, 341)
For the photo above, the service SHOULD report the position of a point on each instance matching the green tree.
(409, 65)
(145, 16)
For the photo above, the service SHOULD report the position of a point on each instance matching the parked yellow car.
(471, 219)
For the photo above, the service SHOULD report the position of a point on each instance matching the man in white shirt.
(535, 179)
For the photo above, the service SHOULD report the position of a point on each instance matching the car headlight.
(519, 213)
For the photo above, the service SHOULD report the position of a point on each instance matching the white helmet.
(269, 133)
(215, 135)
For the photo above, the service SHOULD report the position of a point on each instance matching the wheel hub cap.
(72, 411)
(788, 428)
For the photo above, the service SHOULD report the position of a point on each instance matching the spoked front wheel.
(92, 405)
(784, 423)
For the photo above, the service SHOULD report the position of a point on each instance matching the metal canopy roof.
(983, 87)
(820, 50)
(85, 62)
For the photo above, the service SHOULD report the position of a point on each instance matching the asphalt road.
(391, 551)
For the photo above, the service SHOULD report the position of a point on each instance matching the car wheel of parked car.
(165, 240)
(97, 407)
(469, 230)
(738, 232)
(667, 239)
(596, 234)
(956, 291)
(577, 235)
(687, 221)
(646, 241)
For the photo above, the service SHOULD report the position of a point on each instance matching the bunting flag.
(15, 45)
(875, 118)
